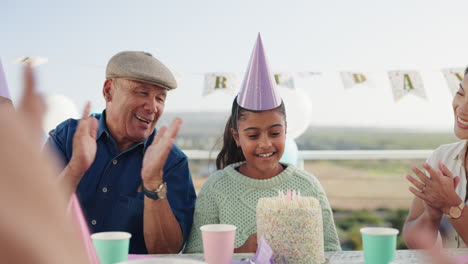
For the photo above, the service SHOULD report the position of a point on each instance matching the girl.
(249, 169)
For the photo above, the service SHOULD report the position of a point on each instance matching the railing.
(364, 154)
(348, 192)
(334, 154)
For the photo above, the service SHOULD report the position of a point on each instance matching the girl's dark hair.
(230, 153)
(466, 70)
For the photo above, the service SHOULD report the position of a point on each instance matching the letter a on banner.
(453, 76)
(224, 81)
(406, 82)
(351, 79)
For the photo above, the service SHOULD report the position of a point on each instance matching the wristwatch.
(456, 211)
(158, 194)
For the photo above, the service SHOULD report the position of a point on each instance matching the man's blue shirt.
(110, 191)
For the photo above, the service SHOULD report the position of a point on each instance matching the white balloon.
(59, 109)
(298, 110)
(291, 152)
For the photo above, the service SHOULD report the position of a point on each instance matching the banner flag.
(285, 79)
(351, 79)
(406, 82)
(225, 81)
(453, 76)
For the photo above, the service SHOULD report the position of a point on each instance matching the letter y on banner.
(285, 79)
(405, 82)
(453, 76)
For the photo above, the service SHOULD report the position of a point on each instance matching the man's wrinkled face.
(133, 108)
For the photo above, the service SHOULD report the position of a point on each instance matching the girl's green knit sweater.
(229, 197)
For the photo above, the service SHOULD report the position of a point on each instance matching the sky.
(196, 37)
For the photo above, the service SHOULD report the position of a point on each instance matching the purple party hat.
(258, 91)
(3, 84)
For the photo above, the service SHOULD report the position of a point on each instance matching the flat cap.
(140, 66)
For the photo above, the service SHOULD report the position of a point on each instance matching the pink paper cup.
(218, 243)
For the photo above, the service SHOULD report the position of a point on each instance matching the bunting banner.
(402, 82)
(351, 79)
(229, 82)
(453, 76)
(406, 82)
(225, 81)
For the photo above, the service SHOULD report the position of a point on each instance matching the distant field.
(203, 130)
(376, 185)
(358, 184)
(361, 193)
(349, 184)
(336, 138)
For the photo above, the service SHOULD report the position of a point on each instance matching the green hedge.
(349, 222)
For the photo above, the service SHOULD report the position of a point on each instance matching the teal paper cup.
(111, 247)
(379, 244)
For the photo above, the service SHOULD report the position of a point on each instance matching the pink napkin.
(264, 255)
(461, 259)
(74, 209)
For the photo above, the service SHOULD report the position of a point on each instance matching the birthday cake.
(293, 228)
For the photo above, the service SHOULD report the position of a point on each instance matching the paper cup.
(111, 247)
(379, 244)
(218, 243)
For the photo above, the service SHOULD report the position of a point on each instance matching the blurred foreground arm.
(34, 223)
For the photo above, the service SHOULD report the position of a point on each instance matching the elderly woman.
(438, 207)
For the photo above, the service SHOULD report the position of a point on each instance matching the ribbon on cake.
(264, 255)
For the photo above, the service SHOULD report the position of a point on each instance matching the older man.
(129, 177)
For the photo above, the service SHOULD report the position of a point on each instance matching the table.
(351, 257)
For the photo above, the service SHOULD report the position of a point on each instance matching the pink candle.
(288, 196)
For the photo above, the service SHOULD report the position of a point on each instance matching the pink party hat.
(3, 84)
(74, 209)
(258, 91)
